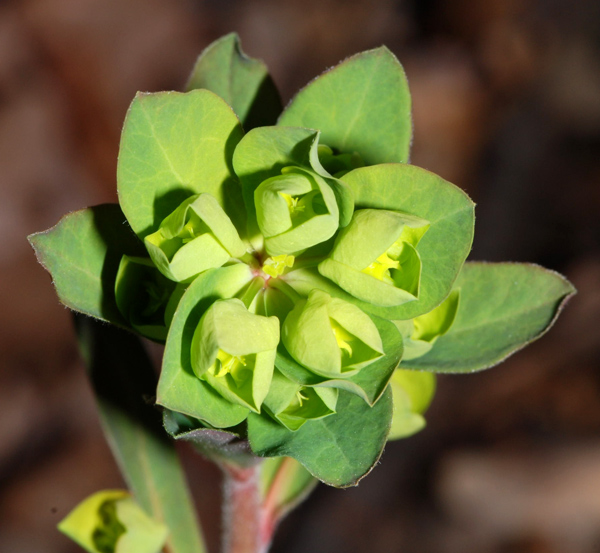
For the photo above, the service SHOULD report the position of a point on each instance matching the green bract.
(234, 351)
(331, 337)
(301, 274)
(375, 258)
(197, 236)
(295, 211)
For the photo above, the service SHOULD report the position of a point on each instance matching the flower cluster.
(315, 277)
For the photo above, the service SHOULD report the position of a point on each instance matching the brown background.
(506, 105)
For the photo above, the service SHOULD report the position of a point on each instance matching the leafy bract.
(503, 307)
(175, 145)
(111, 521)
(442, 249)
(339, 449)
(179, 389)
(412, 393)
(243, 82)
(362, 105)
(82, 253)
(122, 378)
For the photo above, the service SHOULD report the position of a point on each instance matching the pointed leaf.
(362, 105)
(175, 145)
(82, 253)
(503, 307)
(339, 449)
(179, 389)
(122, 377)
(243, 82)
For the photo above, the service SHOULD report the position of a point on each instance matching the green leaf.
(284, 484)
(179, 389)
(111, 521)
(173, 146)
(122, 378)
(221, 446)
(361, 105)
(243, 82)
(339, 449)
(412, 393)
(503, 307)
(442, 249)
(369, 383)
(82, 253)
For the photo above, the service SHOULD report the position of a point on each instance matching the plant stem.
(243, 528)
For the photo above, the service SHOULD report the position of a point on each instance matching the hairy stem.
(244, 530)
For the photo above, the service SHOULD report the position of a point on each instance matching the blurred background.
(506, 105)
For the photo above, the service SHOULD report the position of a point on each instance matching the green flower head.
(331, 337)
(375, 258)
(234, 350)
(197, 236)
(295, 210)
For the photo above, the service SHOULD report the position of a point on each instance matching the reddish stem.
(243, 527)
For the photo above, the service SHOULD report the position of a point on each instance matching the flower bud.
(295, 210)
(111, 521)
(331, 337)
(419, 334)
(145, 297)
(292, 405)
(338, 164)
(375, 258)
(197, 236)
(234, 351)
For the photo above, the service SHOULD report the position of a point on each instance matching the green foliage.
(503, 307)
(122, 377)
(243, 82)
(362, 105)
(290, 271)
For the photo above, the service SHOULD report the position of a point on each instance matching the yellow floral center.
(380, 268)
(342, 337)
(234, 365)
(294, 206)
(276, 265)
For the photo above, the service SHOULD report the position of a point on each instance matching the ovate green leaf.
(243, 82)
(362, 105)
(82, 253)
(503, 307)
(339, 449)
(175, 145)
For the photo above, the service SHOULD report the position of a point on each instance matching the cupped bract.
(295, 210)
(197, 236)
(234, 351)
(331, 337)
(375, 258)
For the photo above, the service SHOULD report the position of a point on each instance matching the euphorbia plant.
(307, 283)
